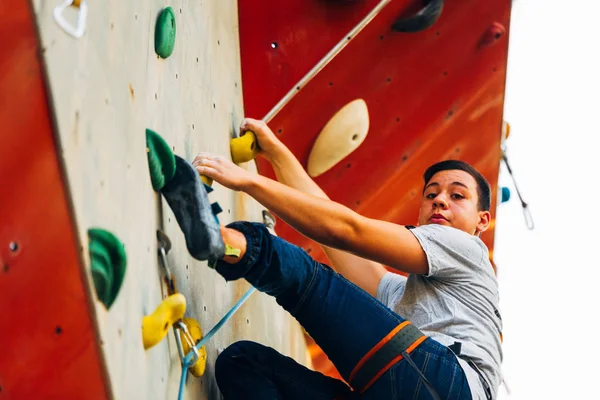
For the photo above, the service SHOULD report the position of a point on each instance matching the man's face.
(450, 198)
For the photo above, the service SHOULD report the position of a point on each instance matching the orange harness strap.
(404, 338)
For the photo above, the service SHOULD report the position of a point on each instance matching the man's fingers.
(199, 156)
(250, 124)
(207, 171)
(205, 157)
(207, 162)
(244, 125)
(247, 122)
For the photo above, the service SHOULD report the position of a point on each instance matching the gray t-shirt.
(456, 302)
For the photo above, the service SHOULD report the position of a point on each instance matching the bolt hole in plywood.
(342, 134)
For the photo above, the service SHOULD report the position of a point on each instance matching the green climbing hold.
(101, 270)
(108, 263)
(161, 160)
(164, 35)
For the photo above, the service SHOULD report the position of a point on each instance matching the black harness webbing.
(402, 343)
(456, 349)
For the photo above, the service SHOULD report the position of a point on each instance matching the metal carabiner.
(528, 217)
(164, 246)
(180, 325)
(79, 30)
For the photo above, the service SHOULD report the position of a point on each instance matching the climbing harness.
(397, 345)
(456, 349)
(526, 212)
(75, 31)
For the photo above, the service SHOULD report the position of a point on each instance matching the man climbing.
(359, 313)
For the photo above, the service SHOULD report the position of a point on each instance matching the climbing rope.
(526, 212)
(189, 358)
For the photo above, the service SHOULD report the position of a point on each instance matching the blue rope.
(188, 358)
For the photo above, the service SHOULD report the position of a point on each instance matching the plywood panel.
(107, 88)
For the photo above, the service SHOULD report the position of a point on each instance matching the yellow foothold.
(245, 148)
(232, 251)
(193, 328)
(156, 325)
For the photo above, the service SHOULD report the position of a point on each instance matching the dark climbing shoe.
(186, 195)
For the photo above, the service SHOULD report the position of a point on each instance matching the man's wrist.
(279, 155)
(250, 183)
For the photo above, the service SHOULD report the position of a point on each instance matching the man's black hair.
(483, 186)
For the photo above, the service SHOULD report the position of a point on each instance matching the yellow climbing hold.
(193, 328)
(156, 325)
(206, 180)
(245, 148)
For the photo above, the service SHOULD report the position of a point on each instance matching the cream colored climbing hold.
(344, 132)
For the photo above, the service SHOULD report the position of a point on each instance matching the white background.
(549, 286)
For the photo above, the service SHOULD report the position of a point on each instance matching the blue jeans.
(344, 320)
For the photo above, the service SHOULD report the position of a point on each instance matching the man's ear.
(485, 217)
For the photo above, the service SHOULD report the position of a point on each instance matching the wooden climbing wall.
(104, 89)
(431, 95)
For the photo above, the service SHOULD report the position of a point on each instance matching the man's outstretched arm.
(324, 221)
(364, 273)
